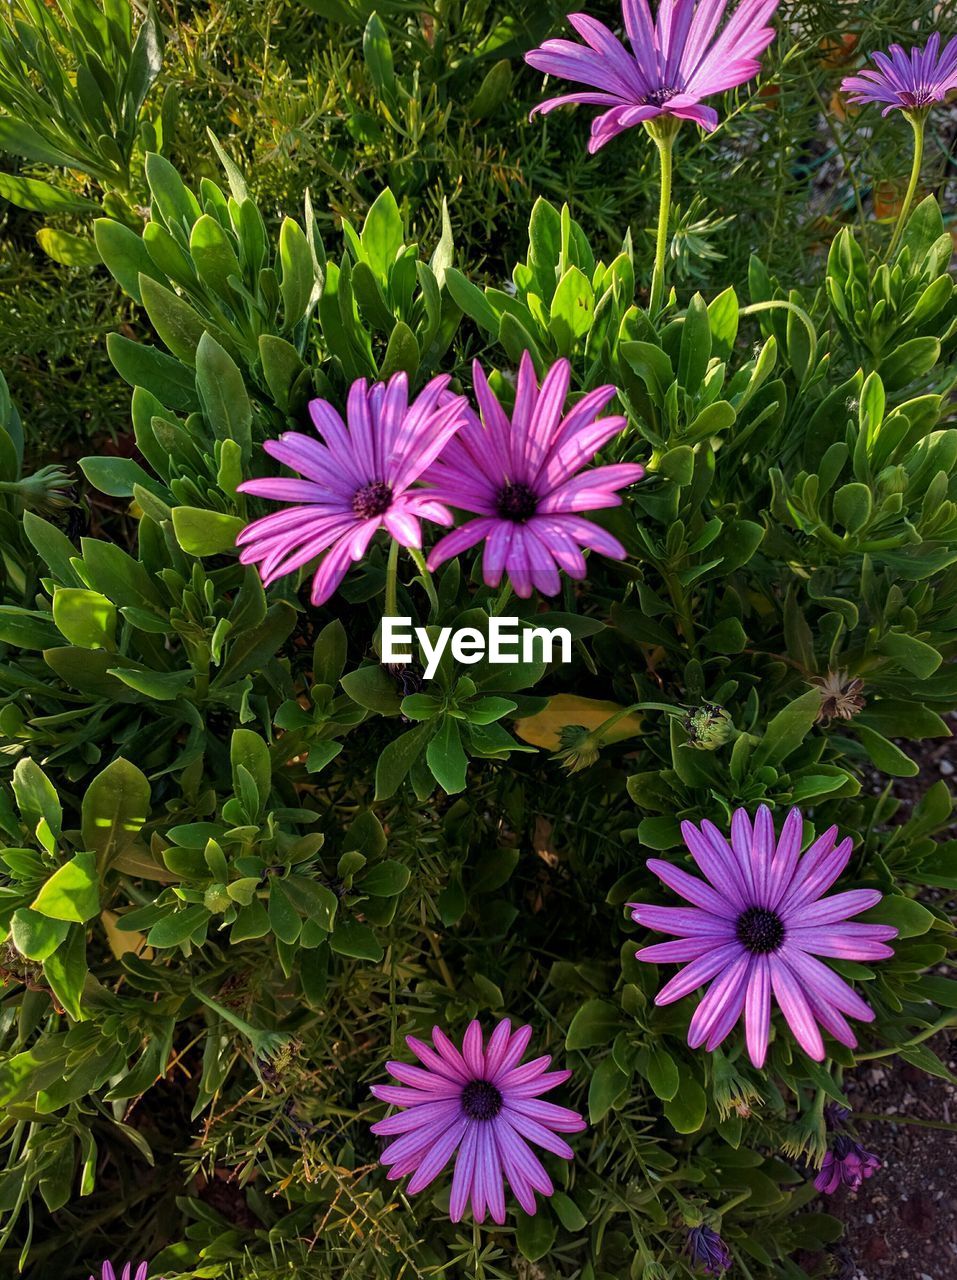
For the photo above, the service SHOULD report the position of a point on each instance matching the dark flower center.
(916, 98)
(481, 1100)
(658, 97)
(760, 930)
(517, 502)
(372, 499)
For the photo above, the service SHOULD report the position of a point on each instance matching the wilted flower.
(842, 698)
(47, 491)
(847, 1164)
(524, 480)
(360, 480)
(758, 927)
(579, 748)
(107, 1272)
(674, 63)
(708, 1250)
(912, 81)
(481, 1104)
(733, 1093)
(708, 726)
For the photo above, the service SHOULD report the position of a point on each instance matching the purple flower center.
(481, 1100)
(517, 502)
(760, 930)
(916, 98)
(372, 499)
(658, 97)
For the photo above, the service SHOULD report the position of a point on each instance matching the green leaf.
(572, 309)
(124, 255)
(248, 749)
(397, 759)
(789, 728)
(72, 892)
(21, 139)
(595, 1023)
(71, 250)
(386, 879)
(115, 476)
(36, 936)
(607, 1085)
(920, 659)
(177, 927)
(382, 231)
(179, 326)
(213, 256)
(41, 197)
(350, 938)
(36, 796)
(205, 533)
(695, 349)
(85, 618)
(661, 1072)
(568, 1213)
(492, 92)
(472, 301)
(222, 394)
(153, 370)
(446, 757)
(909, 918)
(888, 757)
(534, 1234)
(115, 806)
(66, 972)
(298, 272)
(402, 353)
(373, 688)
(688, 1108)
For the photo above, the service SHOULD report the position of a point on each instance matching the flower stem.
(391, 609)
(427, 582)
(664, 141)
(917, 122)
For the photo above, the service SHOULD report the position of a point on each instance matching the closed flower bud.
(47, 491)
(708, 726)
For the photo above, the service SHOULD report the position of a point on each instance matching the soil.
(902, 1223)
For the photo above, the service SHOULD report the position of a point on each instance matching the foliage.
(242, 859)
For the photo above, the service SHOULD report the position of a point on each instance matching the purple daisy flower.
(524, 480)
(907, 81)
(757, 929)
(358, 481)
(483, 1105)
(107, 1272)
(847, 1164)
(708, 1250)
(674, 63)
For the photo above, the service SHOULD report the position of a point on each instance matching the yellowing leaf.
(544, 729)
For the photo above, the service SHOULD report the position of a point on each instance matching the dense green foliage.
(241, 860)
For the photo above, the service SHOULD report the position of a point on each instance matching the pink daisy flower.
(911, 80)
(523, 478)
(357, 481)
(479, 1103)
(756, 929)
(674, 63)
(107, 1272)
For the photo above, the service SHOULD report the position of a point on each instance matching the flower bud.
(708, 726)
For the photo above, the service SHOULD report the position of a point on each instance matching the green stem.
(947, 1020)
(917, 121)
(391, 609)
(801, 314)
(665, 142)
(427, 582)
